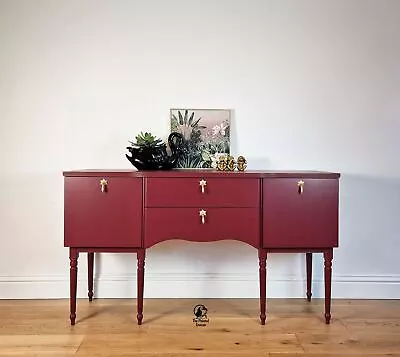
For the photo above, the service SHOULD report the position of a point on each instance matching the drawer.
(300, 213)
(202, 191)
(93, 218)
(241, 224)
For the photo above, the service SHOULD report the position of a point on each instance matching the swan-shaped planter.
(157, 157)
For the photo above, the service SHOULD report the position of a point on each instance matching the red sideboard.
(130, 211)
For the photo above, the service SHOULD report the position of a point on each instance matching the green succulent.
(147, 140)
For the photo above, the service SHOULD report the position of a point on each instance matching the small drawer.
(202, 191)
(202, 224)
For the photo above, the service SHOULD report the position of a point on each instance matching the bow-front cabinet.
(131, 211)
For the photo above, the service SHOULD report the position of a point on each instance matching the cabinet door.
(93, 218)
(300, 213)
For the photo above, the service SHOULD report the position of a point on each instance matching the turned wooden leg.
(328, 256)
(90, 259)
(309, 274)
(262, 261)
(73, 274)
(140, 284)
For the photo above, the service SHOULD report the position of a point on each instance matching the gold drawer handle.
(203, 215)
(300, 186)
(103, 185)
(203, 183)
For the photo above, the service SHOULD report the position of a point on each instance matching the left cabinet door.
(102, 213)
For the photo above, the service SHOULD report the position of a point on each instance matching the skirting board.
(199, 286)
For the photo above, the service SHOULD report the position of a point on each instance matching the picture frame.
(206, 134)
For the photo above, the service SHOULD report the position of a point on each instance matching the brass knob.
(203, 215)
(300, 186)
(203, 183)
(103, 185)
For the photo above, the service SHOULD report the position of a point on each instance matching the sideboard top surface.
(202, 172)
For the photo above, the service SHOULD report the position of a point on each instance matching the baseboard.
(200, 286)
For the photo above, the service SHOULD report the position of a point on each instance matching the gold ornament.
(241, 163)
(231, 164)
(222, 163)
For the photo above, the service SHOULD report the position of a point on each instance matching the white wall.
(313, 84)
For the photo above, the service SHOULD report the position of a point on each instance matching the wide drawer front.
(202, 191)
(204, 224)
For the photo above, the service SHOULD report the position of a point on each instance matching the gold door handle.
(103, 185)
(300, 186)
(203, 183)
(203, 215)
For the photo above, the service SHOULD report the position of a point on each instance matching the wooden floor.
(108, 328)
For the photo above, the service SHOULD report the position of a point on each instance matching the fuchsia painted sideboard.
(124, 211)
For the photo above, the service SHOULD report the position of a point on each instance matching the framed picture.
(206, 135)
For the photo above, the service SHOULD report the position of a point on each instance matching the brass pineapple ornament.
(241, 163)
(222, 163)
(230, 163)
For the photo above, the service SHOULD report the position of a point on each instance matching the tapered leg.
(90, 257)
(309, 274)
(73, 274)
(262, 261)
(140, 284)
(328, 256)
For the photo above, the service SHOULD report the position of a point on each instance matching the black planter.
(157, 158)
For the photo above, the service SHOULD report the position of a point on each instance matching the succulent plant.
(147, 140)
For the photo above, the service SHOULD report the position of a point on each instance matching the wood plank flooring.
(107, 328)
